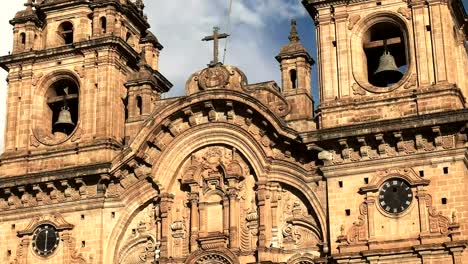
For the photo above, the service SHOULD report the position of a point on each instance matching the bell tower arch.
(389, 59)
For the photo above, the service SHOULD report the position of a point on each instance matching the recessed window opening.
(445, 170)
(293, 77)
(66, 32)
(103, 22)
(23, 38)
(387, 59)
(62, 110)
(128, 36)
(139, 105)
(444, 200)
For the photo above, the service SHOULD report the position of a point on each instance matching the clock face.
(45, 240)
(395, 196)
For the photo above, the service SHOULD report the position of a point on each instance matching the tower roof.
(295, 47)
(29, 14)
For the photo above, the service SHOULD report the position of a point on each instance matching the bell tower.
(78, 68)
(295, 63)
(389, 59)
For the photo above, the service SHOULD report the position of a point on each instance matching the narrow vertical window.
(103, 22)
(293, 77)
(139, 105)
(23, 38)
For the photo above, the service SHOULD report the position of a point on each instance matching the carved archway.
(301, 259)
(221, 256)
(168, 142)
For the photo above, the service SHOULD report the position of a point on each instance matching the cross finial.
(215, 37)
(293, 35)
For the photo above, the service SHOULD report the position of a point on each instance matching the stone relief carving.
(36, 78)
(215, 206)
(213, 77)
(438, 223)
(358, 232)
(352, 22)
(405, 11)
(357, 89)
(142, 241)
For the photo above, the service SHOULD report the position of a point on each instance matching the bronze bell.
(387, 72)
(64, 122)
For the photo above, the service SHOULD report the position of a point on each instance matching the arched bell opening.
(62, 107)
(386, 53)
(65, 31)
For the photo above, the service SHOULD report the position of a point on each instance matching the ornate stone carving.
(80, 71)
(357, 89)
(438, 223)
(405, 11)
(352, 22)
(358, 232)
(411, 81)
(213, 77)
(142, 248)
(36, 78)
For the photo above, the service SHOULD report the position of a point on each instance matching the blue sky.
(258, 30)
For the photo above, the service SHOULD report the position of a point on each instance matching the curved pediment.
(226, 77)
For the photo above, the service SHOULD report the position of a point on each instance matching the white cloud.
(181, 24)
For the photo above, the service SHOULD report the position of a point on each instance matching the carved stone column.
(421, 195)
(370, 201)
(226, 215)
(167, 200)
(273, 190)
(194, 221)
(233, 218)
(261, 196)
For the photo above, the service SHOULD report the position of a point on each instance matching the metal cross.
(215, 37)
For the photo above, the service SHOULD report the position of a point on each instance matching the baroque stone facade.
(99, 169)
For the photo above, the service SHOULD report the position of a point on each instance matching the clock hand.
(45, 244)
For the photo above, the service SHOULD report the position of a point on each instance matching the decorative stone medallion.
(213, 77)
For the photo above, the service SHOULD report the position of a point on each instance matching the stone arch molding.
(359, 26)
(189, 161)
(265, 170)
(302, 259)
(220, 256)
(43, 83)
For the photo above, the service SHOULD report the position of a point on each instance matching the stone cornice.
(69, 50)
(412, 122)
(57, 175)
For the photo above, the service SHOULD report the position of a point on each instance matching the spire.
(293, 35)
(294, 48)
